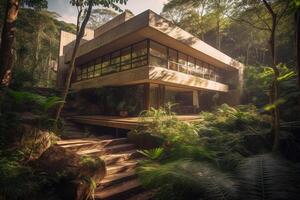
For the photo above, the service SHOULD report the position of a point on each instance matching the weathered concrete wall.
(66, 44)
(164, 76)
(65, 39)
(129, 27)
(113, 23)
(133, 76)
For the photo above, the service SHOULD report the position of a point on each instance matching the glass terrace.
(148, 52)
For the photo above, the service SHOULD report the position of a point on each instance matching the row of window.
(129, 57)
(136, 55)
(166, 57)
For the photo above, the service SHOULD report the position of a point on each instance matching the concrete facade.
(126, 29)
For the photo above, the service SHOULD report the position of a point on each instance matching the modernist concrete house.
(162, 62)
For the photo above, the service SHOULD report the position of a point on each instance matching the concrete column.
(195, 99)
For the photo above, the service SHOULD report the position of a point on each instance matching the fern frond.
(193, 179)
(268, 177)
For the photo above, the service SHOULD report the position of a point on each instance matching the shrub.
(163, 123)
(16, 180)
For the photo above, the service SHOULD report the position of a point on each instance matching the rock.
(77, 174)
(144, 140)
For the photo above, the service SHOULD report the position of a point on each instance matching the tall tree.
(274, 11)
(297, 36)
(200, 17)
(84, 7)
(8, 35)
(99, 17)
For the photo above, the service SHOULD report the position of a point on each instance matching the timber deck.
(121, 122)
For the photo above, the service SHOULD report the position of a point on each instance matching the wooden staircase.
(121, 159)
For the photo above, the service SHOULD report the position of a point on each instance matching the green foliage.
(256, 90)
(183, 179)
(37, 4)
(36, 45)
(233, 119)
(193, 167)
(92, 162)
(223, 132)
(163, 123)
(104, 3)
(99, 17)
(44, 103)
(192, 152)
(20, 106)
(153, 154)
(268, 177)
(16, 180)
(92, 186)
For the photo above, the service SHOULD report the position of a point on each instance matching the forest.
(245, 151)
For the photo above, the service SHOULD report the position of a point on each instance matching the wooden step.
(74, 141)
(117, 191)
(85, 140)
(121, 167)
(143, 195)
(71, 136)
(73, 129)
(107, 150)
(118, 157)
(117, 178)
(95, 144)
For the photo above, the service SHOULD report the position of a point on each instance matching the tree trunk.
(79, 36)
(297, 30)
(274, 88)
(218, 38)
(7, 39)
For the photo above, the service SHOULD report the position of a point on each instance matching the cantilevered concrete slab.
(151, 74)
(151, 25)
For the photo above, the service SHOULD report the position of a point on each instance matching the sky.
(68, 13)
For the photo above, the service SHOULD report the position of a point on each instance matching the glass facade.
(148, 52)
(163, 56)
(123, 59)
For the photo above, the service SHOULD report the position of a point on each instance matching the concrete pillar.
(195, 99)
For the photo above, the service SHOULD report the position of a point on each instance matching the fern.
(153, 154)
(186, 180)
(268, 177)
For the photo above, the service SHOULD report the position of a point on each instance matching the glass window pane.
(126, 58)
(198, 69)
(84, 76)
(97, 73)
(206, 70)
(182, 60)
(158, 50)
(139, 61)
(105, 64)
(191, 64)
(158, 62)
(84, 69)
(78, 70)
(91, 68)
(115, 61)
(98, 64)
(173, 59)
(139, 49)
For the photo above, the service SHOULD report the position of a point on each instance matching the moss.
(92, 162)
